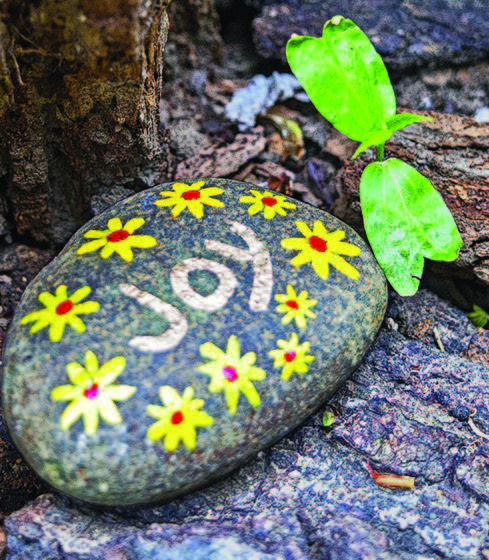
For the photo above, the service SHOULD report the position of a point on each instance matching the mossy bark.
(79, 98)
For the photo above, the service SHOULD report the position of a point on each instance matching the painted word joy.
(261, 292)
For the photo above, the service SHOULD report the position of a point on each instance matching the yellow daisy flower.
(291, 356)
(117, 239)
(178, 419)
(191, 197)
(268, 203)
(61, 310)
(92, 393)
(321, 249)
(295, 307)
(231, 373)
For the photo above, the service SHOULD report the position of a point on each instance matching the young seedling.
(405, 218)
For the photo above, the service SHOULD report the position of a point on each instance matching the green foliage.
(381, 135)
(478, 317)
(328, 419)
(405, 218)
(344, 77)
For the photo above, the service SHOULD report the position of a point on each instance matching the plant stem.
(380, 152)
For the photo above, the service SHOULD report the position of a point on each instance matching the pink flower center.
(269, 201)
(91, 392)
(177, 417)
(290, 356)
(64, 307)
(230, 373)
(292, 304)
(317, 244)
(118, 235)
(191, 195)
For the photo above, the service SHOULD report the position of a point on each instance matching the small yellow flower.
(191, 197)
(268, 203)
(92, 393)
(117, 239)
(321, 249)
(231, 373)
(291, 356)
(61, 310)
(178, 419)
(295, 307)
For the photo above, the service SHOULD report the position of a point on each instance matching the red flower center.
(191, 195)
(177, 417)
(91, 392)
(317, 243)
(118, 235)
(64, 307)
(292, 304)
(230, 373)
(269, 201)
(290, 356)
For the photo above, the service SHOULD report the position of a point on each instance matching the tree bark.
(79, 98)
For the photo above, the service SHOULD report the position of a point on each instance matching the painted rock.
(181, 332)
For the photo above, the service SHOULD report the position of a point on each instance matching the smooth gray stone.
(311, 496)
(154, 315)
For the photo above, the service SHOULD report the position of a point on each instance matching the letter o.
(216, 300)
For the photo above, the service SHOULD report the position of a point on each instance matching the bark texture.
(194, 40)
(79, 98)
(452, 152)
(407, 34)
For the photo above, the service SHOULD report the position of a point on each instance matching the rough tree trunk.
(79, 97)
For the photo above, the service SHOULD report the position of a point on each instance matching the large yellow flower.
(61, 310)
(92, 393)
(191, 197)
(232, 373)
(178, 419)
(268, 203)
(321, 249)
(295, 307)
(117, 239)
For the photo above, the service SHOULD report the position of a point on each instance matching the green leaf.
(328, 418)
(478, 317)
(344, 77)
(406, 220)
(378, 137)
(395, 123)
(402, 120)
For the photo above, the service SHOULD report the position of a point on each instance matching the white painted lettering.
(171, 337)
(216, 300)
(260, 260)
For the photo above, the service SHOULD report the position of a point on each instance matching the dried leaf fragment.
(473, 426)
(290, 134)
(388, 480)
(280, 183)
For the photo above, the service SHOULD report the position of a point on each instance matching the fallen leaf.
(473, 426)
(280, 183)
(388, 480)
(222, 161)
